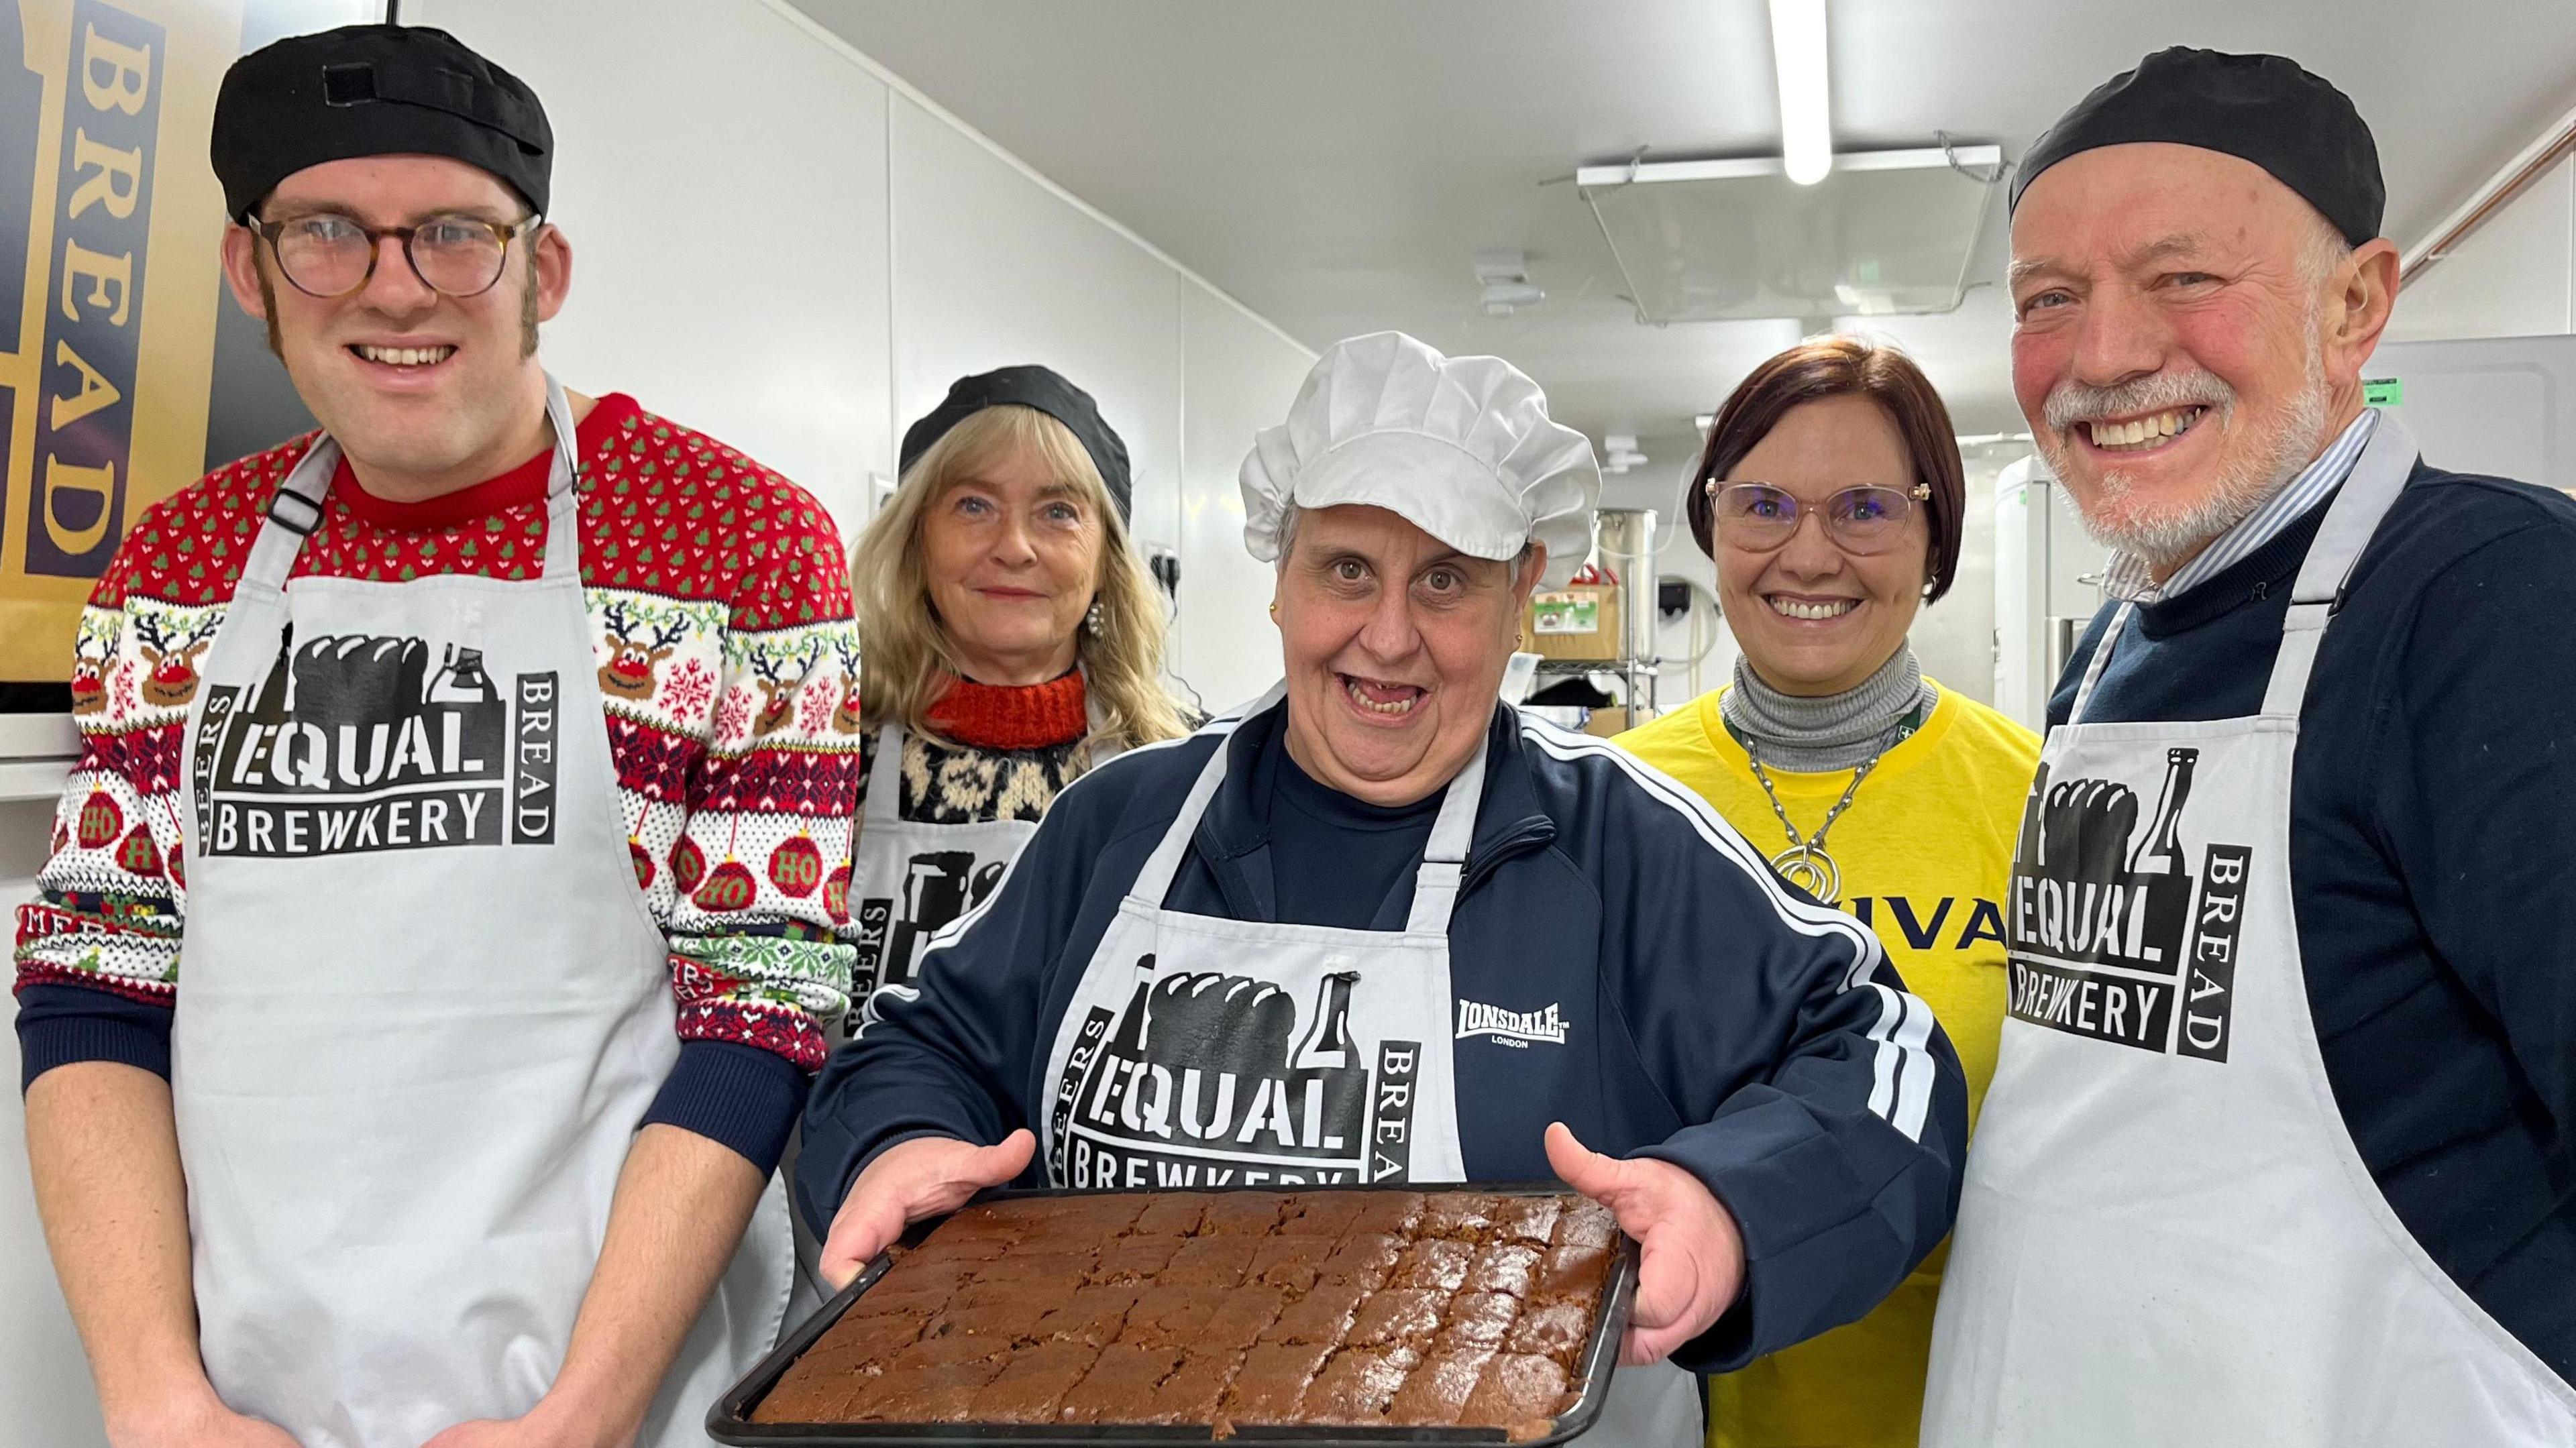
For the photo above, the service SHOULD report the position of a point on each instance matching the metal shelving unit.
(1638, 675)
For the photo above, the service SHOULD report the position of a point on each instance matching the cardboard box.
(1578, 622)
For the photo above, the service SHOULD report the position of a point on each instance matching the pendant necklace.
(1805, 863)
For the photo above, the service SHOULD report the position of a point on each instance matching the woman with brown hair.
(1829, 496)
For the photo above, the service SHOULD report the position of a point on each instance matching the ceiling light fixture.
(1621, 453)
(1888, 233)
(1506, 283)
(1806, 112)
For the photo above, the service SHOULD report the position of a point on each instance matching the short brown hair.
(1837, 367)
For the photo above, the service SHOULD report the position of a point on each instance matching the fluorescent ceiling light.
(1727, 241)
(1806, 110)
(1887, 233)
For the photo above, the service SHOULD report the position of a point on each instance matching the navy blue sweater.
(1713, 1019)
(2433, 850)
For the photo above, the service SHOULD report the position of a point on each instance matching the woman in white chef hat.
(1379, 927)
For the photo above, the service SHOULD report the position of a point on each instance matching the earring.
(1274, 613)
(1091, 620)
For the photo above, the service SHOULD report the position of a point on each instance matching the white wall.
(2515, 276)
(990, 268)
(45, 1400)
(1236, 379)
(782, 245)
(722, 179)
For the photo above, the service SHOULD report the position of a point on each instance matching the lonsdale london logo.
(1205, 1079)
(2105, 939)
(353, 745)
(1512, 1028)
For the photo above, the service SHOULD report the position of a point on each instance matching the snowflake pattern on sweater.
(720, 614)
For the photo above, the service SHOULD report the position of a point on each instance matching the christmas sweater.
(1004, 753)
(727, 666)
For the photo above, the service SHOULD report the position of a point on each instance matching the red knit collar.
(1021, 716)
(523, 484)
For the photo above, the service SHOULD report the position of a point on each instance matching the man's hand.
(203, 1422)
(1693, 1262)
(550, 1424)
(911, 1180)
(678, 1216)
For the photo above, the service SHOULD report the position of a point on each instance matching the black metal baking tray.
(729, 1420)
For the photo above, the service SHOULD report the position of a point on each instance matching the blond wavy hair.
(906, 657)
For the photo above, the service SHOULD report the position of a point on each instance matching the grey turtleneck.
(1836, 731)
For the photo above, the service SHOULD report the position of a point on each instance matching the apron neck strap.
(1154, 881)
(2101, 656)
(295, 511)
(563, 480)
(883, 798)
(2368, 492)
(1444, 858)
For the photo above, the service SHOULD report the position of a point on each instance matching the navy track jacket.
(1713, 1017)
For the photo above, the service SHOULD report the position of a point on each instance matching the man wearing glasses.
(482, 757)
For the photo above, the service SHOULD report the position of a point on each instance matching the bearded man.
(2278, 1147)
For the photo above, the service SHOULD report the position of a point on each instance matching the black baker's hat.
(374, 90)
(2262, 108)
(1036, 387)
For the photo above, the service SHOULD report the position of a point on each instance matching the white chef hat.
(1461, 447)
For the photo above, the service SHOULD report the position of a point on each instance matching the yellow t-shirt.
(1924, 852)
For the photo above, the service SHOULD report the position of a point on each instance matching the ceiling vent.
(1883, 234)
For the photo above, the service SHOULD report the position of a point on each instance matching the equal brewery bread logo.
(353, 744)
(1208, 1079)
(2106, 938)
(937, 887)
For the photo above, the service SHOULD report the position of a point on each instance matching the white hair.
(2321, 255)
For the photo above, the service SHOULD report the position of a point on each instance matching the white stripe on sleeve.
(1903, 1070)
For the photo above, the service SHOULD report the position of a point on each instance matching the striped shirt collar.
(2128, 581)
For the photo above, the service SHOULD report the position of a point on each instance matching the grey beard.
(2167, 539)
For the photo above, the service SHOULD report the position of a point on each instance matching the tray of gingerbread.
(1360, 1316)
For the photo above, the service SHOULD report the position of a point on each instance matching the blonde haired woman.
(1011, 641)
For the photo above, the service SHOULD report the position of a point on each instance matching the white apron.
(427, 1006)
(908, 878)
(1199, 1051)
(2167, 1235)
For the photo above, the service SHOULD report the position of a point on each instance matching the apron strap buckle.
(2309, 616)
(303, 527)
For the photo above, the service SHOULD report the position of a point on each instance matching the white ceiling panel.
(1336, 163)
